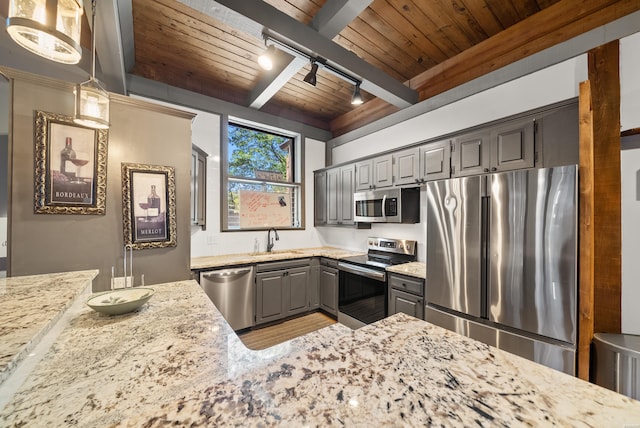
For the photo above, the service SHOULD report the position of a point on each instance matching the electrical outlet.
(121, 282)
(211, 240)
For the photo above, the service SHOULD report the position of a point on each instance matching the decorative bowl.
(116, 302)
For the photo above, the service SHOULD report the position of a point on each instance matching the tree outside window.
(261, 188)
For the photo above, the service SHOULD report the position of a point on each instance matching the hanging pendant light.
(49, 28)
(92, 100)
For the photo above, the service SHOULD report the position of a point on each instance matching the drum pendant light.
(92, 100)
(49, 28)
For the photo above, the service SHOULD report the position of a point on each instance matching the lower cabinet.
(281, 290)
(406, 295)
(329, 286)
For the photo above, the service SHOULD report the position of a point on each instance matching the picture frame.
(70, 166)
(149, 205)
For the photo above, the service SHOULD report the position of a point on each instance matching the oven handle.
(362, 271)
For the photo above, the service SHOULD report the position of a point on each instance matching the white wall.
(630, 165)
(630, 82)
(553, 84)
(206, 135)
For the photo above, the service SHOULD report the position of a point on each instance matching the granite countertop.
(206, 262)
(415, 269)
(176, 361)
(31, 306)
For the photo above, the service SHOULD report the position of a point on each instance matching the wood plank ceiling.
(429, 45)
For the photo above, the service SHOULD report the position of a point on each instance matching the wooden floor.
(266, 337)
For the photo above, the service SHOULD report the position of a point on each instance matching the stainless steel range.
(362, 296)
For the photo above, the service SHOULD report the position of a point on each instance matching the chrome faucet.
(270, 240)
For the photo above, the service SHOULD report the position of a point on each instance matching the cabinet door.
(296, 280)
(333, 195)
(512, 146)
(364, 175)
(320, 198)
(435, 161)
(470, 154)
(329, 290)
(407, 166)
(347, 176)
(313, 288)
(383, 171)
(399, 301)
(269, 296)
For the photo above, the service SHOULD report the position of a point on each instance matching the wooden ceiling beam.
(329, 21)
(549, 27)
(374, 80)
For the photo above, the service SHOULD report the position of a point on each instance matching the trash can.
(616, 363)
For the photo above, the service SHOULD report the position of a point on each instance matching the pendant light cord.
(93, 39)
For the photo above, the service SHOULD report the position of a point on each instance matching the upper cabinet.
(340, 188)
(374, 173)
(320, 198)
(501, 148)
(198, 187)
(419, 164)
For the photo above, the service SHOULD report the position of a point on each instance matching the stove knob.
(401, 247)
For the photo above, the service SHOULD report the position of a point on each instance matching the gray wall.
(141, 133)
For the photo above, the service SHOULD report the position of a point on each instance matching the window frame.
(297, 166)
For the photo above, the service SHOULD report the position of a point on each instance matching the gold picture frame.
(70, 166)
(149, 205)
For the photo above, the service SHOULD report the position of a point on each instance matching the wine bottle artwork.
(153, 201)
(67, 154)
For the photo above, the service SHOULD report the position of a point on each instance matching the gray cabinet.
(374, 173)
(198, 187)
(329, 277)
(282, 289)
(270, 295)
(320, 198)
(406, 295)
(419, 164)
(313, 286)
(340, 188)
(407, 166)
(503, 147)
(435, 161)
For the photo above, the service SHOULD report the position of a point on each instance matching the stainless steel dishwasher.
(233, 293)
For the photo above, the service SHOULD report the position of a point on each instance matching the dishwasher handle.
(225, 276)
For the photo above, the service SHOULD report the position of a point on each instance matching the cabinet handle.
(486, 170)
(494, 169)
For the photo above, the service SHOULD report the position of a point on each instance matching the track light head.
(265, 60)
(356, 99)
(310, 78)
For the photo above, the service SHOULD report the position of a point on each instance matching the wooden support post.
(600, 202)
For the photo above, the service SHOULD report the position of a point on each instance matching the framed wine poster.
(149, 205)
(70, 166)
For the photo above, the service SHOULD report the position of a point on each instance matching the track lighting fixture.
(316, 61)
(92, 101)
(310, 78)
(266, 58)
(49, 28)
(356, 99)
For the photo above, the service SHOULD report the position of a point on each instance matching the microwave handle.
(384, 207)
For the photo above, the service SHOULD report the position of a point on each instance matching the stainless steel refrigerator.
(502, 261)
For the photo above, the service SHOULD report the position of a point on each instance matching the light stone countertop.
(206, 262)
(30, 307)
(176, 361)
(415, 269)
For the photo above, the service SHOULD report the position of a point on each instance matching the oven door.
(362, 295)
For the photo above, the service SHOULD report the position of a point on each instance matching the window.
(261, 178)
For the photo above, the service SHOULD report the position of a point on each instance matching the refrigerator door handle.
(484, 251)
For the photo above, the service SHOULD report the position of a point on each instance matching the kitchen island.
(177, 361)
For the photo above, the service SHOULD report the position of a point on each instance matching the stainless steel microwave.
(393, 205)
